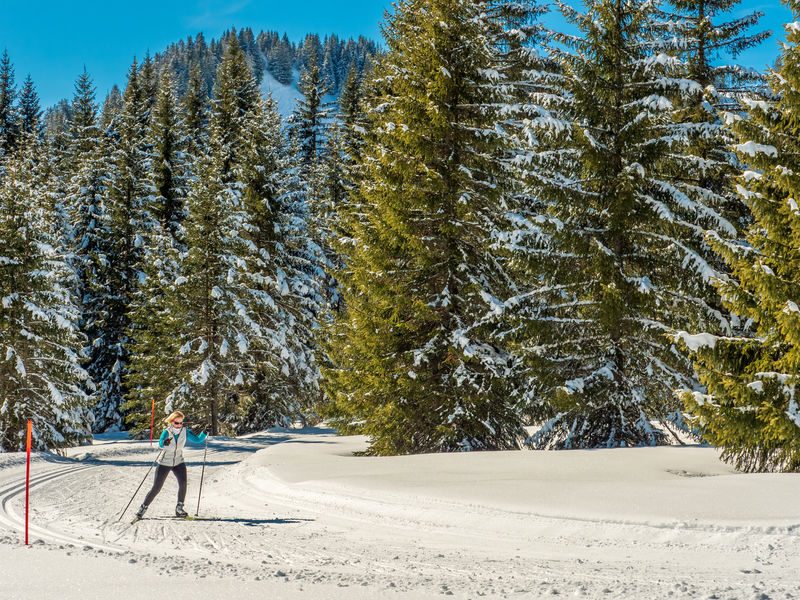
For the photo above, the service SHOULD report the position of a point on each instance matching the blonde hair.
(174, 416)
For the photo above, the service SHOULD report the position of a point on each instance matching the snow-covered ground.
(293, 514)
(286, 96)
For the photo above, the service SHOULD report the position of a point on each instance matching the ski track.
(380, 541)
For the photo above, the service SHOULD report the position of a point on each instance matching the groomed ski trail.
(296, 507)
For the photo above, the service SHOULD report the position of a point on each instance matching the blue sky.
(54, 39)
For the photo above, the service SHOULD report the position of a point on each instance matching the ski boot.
(179, 512)
(141, 511)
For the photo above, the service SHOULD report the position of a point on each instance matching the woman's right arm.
(164, 437)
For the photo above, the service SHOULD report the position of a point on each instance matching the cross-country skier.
(172, 440)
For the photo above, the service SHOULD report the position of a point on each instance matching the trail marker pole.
(28, 475)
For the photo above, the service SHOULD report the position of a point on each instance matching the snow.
(285, 96)
(792, 27)
(752, 148)
(696, 341)
(301, 516)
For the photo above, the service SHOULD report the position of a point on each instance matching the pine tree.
(148, 79)
(212, 310)
(57, 119)
(413, 365)
(195, 112)
(130, 206)
(351, 113)
(281, 274)
(706, 163)
(40, 373)
(279, 62)
(8, 110)
(332, 199)
(615, 261)
(169, 160)
(92, 245)
(749, 408)
(112, 109)
(153, 345)
(312, 114)
(30, 112)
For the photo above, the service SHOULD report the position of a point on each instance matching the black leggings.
(161, 477)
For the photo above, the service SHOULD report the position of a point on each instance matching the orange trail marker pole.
(28, 476)
(152, 420)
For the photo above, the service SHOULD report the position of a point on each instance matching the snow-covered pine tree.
(91, 245)
(41, 377)
(148, 82)
(308, 127)
(751, 409)
(112, 109)
(9, 125)
(221, 318)
(129, 206)
(153, 346)
(312, 114)
(168, 139)
(623, 266)
(279, 62)
(414, 365)
(705, 162)
(282, 275)
(195, 116)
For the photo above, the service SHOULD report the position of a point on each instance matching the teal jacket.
(194, 439)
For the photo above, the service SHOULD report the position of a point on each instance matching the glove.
(167, 441)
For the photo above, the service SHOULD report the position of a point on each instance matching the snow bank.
(646, 485)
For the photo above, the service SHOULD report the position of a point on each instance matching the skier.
(171, 459)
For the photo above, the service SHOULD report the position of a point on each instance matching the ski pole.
(153, 464)
(202, 476)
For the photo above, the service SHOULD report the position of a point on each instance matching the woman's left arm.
(195, 439)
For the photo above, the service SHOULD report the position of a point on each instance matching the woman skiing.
(172, 440)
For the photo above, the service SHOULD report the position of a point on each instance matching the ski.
(176, 518)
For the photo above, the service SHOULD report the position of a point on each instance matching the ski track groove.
(17, 523)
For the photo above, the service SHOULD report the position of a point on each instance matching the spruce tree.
(92, 246)
(195, 115)
(312, 114)
(8, 109)
(30, 112)
(413, 365)
(706, 164)
(153, 345)
(614, 259)
(169, 159)
(749, 407)
(41, 377)
(131, 208)
(218, 306)
(282, 275)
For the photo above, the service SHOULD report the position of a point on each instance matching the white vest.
(173, 454)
